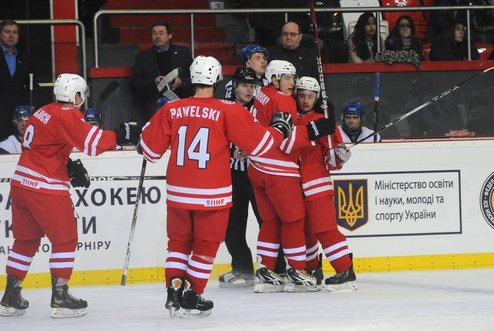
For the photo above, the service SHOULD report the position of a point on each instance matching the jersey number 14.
(197, 150)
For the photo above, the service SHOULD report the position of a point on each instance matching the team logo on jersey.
(487, 200)
(351, 203)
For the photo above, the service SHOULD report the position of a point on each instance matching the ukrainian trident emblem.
(351, 203)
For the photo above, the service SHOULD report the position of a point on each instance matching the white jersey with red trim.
(51, 134)
(199, 131)
(316, 180)
(276, 162)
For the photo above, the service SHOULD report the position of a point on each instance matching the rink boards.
(403, 206)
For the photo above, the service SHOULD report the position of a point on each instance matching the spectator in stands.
(362, 43)
(15, 67)
(452, 45)
(13, 143)
(254, 56)
(152, 65)
(291, 50)
(403, 36)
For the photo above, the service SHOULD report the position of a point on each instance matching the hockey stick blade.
(416, 109)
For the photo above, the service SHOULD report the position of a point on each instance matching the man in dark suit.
(292, 50)
(14, 76)
(152, 65)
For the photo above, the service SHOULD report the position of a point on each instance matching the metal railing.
(193, 12)
(82, 41)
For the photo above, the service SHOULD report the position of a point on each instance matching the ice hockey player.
(199, 193)
(253, 56)
(320, 222)
(275, 178)
(242, 274)
(352, 129)
(13, 143)
(41, 181)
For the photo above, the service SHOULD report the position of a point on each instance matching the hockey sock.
(201, 263)
(268, 242)
(62, 259)
(20, 257)
(335, 248)
(293, 243)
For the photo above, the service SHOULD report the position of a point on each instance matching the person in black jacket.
(15, 67)
(291, 50)
(403, 36)
(152, 65)
(453, 45)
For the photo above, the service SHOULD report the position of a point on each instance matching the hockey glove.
(77, 174)
(128, 134)
(282, 122)
(343, 153)
(321, 127)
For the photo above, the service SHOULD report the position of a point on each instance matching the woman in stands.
(362, 43)
(453, 45)
(403, 37)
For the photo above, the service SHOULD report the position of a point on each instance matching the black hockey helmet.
(245, 75)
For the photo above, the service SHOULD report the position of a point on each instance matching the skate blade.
(268, 288)
(173, 311)
(292, 288)
(194, 313)
(67, 313)
(11, 311)
(345, 287)
(238, 284)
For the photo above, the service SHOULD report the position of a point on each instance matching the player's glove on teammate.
(128, 134)
(77, 174)
(282, 122)
(321, 127)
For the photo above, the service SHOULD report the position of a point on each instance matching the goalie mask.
(67, 86)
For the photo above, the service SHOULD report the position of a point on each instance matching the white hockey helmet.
(67, 86)
(205, 70)
(308, 84)
(278, 68)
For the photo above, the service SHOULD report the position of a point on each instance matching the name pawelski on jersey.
(195, 111)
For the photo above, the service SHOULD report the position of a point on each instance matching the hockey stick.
(416, 109)
(133, 225)
(31, 87)
(332, 156)
(376, 102)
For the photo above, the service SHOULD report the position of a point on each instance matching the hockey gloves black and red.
(128, 134)
(282, 122)
(321, 127)
(78, 175)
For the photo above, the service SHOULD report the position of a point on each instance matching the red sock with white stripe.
(268, 243)
(62, 259)
(175, 266)
(20, 258)
(293, 243)
(335, 248)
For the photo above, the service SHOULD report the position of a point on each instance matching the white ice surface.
(428, 300)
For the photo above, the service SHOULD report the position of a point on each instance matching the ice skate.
(342, 281)
(268, 281)
(64, 304)
(193, 304)
(300, 281)
(236, 279)
(318, 273)
(13, 303)
(174, 296)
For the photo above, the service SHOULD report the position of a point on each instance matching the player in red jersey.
(199, 186)
(276, 181)
(319, 195)
(42, 181)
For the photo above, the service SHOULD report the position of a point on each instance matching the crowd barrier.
(402, 205)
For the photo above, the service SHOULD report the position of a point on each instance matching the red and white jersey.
(51, 134)
(199, 131)
(316, 180)
(276, 162)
